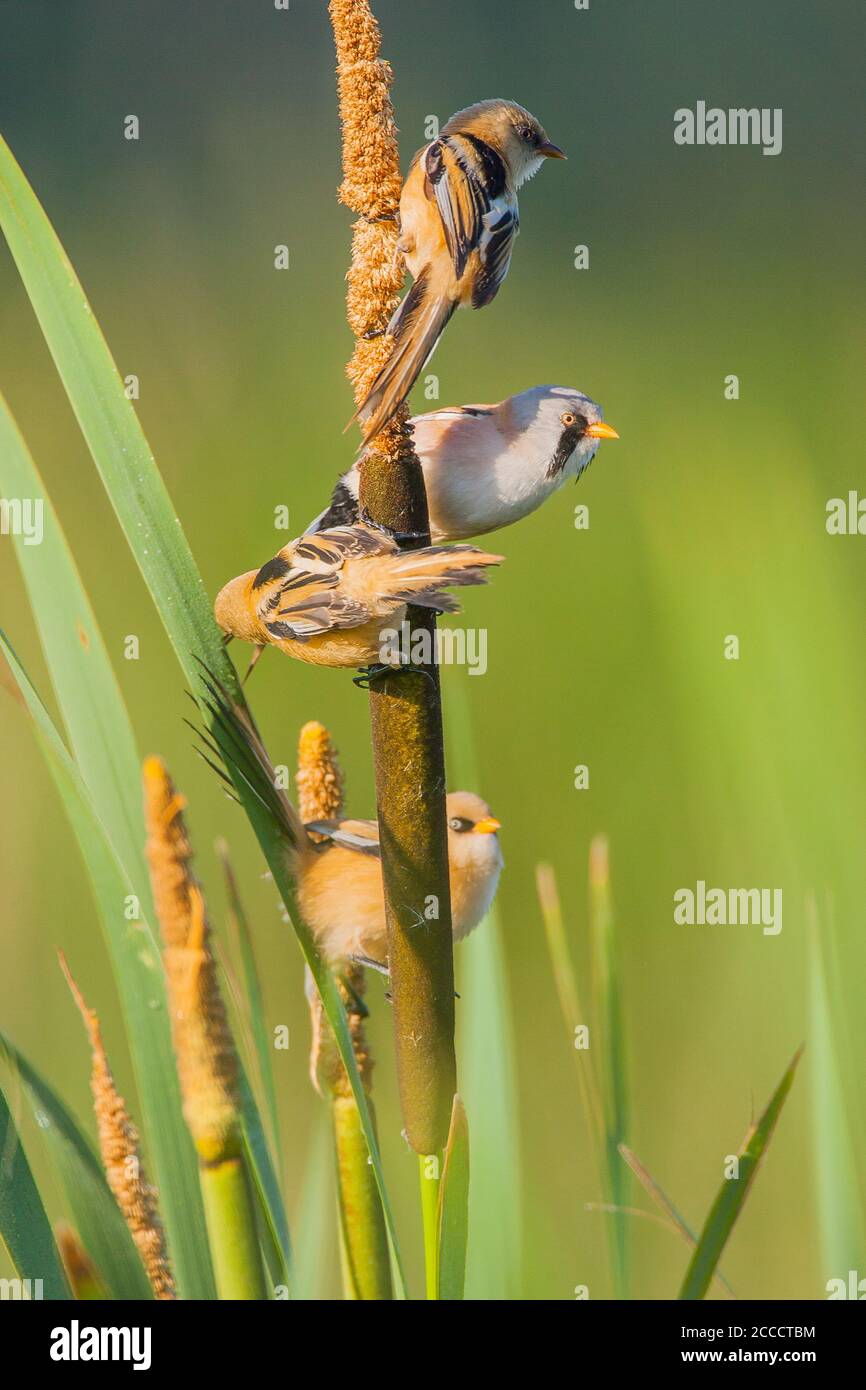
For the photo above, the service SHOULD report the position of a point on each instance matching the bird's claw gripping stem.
(368, 675)
(401, 537)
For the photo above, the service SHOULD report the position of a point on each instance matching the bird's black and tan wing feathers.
(361, 836)
(344, 577)
(467, 179)
(300, 595)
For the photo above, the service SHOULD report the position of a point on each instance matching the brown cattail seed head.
(206, 1059)
(319, 780)
(120, 1147)
(371, 186)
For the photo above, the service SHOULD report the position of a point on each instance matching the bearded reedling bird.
(340, 882)
(486, 466)
(339, 879)
(327, 598)
(458, 221)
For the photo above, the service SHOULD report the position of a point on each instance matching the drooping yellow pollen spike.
(120, 1149)
(203, 1045)
(204, 1050)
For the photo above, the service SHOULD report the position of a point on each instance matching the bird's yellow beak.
(601, 431)
(488, 826)
(551, 151)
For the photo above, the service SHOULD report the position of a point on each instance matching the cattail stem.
(365, 1258)
(364, 1244)
(231, 1227)
(429, 1172)
(405, 708)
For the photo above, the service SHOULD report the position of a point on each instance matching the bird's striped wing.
(300, 597)
(467, 179)
(329, 550)
(501, 225)
(362, 836)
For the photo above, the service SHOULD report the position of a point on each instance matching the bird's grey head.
(567, 425)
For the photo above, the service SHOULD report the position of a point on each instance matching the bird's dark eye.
(526, 132)
(571, 419)
(460, 824)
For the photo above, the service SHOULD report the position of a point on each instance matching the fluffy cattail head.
(371, 186)
(206, 1059)
(119, 1146)
(319, 780)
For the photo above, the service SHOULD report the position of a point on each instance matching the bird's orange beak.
(487, 826)
(551, 151)
(601, 431)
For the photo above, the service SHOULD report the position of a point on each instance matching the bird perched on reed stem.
(340, 882)
(327, 598)
(336, 862)
(486, 466)
(458, 221)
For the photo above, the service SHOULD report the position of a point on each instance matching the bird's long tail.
(422, 576)
(416, 328)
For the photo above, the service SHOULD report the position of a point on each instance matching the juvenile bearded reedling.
(340, 882)
(336, 862)
(327, 598)
(486, 466)
(458, 221)
(319, 781)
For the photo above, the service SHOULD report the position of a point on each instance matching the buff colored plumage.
(458, 222)
(326, 599)
(340, 884)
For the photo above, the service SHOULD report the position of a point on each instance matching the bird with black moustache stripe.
(486, 466)
(340, 882)
(458, 221)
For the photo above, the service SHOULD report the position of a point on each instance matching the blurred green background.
(606, 645)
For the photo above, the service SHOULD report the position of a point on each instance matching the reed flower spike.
(120, 1148)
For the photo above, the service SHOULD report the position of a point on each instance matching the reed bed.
(183, 1194)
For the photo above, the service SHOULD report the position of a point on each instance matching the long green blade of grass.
(610, 1023)
(103, 745)
(91, 1206)
(568, 992)
(107, 419)
(840, 1211)
(672, 1217)
(141, 985)
(274, 1226)
(313, 1216)
(254, 997)
(96, 720)
(454, 1208)
(24, 1226)
(137, 493)
(488, 1057)
(733, 1193)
